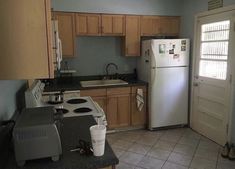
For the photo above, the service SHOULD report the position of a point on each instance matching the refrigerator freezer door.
(171, 52)
(168, 97)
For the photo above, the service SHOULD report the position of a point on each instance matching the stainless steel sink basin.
(94, 83)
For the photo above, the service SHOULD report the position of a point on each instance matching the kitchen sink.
(108, 82)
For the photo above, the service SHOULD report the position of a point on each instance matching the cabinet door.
(147, 25)
(88, 24)
(119, 25)
(26, 42)
(101, 101)
(169, 26)
(138, 117)
(112, 112)
(132, 38)
(174, 26)
(156, 26)
(98, 95)
(66, 32)
(113, 25)
(118, 111)
(123, 110)
(107, 24)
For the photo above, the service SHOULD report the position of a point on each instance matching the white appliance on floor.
(164, 65)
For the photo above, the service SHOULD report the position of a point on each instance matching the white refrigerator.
(164, 65)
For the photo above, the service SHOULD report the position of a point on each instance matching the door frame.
(194, 62)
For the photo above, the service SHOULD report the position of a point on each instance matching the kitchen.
(85, 62)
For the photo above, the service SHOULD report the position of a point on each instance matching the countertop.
(74, 128)
(73, 83)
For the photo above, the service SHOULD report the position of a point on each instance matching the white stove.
(72, 105)
(78, 106)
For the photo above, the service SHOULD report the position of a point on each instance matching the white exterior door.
(212, 76)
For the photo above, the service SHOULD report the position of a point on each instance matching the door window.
(214, 50)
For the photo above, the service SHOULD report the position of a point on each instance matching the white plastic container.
(98, 133)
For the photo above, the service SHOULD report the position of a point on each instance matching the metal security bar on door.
(214, 50)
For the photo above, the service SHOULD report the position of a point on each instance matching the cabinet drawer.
(134, 89)
(93, 92)
(118, 91)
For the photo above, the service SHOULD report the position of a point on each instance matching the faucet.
(107, 68)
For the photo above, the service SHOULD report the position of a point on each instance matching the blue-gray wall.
(145, 7)
(190, 9)
(93, 53)
(11, 97)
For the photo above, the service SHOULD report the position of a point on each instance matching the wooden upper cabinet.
(147, 25)
(169, 25)
(88, 24)
(158, 25)
(132, 38)
(26, 40)
(113, 25)
(66, 32)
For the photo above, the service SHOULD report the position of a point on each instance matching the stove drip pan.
(76, 101)
(54, 103)
(83, 110)
(62, 110)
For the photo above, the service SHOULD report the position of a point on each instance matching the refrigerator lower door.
(168, 97)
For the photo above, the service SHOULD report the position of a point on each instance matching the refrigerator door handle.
(153, 74)
(153, 57)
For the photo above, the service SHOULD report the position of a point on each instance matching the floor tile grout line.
(171, 151)
(153, 145)
(133, 142)
(195, 150)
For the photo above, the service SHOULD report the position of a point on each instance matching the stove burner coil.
(76, 101)
(82, 110)
(54, 103)
(64, 111)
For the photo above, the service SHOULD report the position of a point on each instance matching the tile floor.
(167, 149)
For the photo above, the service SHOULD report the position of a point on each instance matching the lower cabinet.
(98, 95)
(138, 117)
(120, 105)
(101, 100)
(118, 110)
